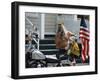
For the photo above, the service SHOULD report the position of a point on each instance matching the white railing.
(29, 21)
(36, 39)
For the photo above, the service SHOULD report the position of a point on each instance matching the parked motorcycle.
(35, 58)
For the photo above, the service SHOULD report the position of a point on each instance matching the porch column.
(75, 17)
(42, 26)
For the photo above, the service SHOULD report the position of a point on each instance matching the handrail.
(29, 21)
(36, 39)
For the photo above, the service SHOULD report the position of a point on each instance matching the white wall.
(5, 40)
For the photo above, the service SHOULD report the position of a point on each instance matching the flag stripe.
(84, 37)
(84, 29)
(83, 52)
(85, 48)
(88, 48)
(83, 33)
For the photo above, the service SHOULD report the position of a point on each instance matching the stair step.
(47, 46)
(50, 36)
(47, 41)
(50, 51)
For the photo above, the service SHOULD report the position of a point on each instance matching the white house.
(46, 23)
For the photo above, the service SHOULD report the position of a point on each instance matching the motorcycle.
(35, 58)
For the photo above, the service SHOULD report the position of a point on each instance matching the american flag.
(84, 37)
